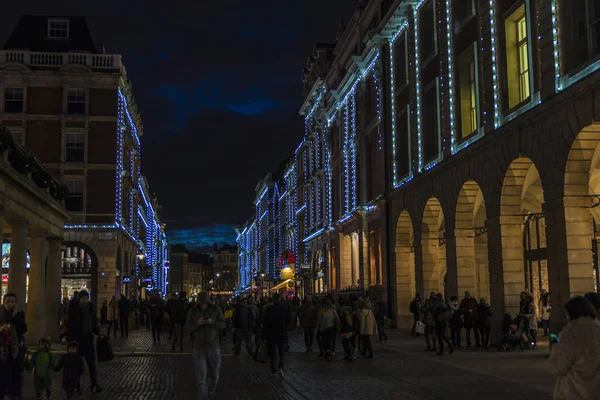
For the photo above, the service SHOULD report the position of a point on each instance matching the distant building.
(72, 106)
(198, 263)
(179, 269)
(225, 264)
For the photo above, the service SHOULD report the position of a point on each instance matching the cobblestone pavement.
(400, 370)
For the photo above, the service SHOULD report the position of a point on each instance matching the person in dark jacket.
(416, 308)
(104, 314)
(276, 319)
(179, 318)
(243, 323)
(72, 365)
(381, 313)
(170, 308)
(156, 314)
(308, 321)
(206, 321)
(12, 367)
(124, 310)
(455, 322)
(468, 307)
(84, 325)
(484, 314)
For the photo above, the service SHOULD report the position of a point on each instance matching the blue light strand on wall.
(119, 155)
(494, 64)
(450, 75)
(378, 90)
(555, 44)
(418, 90)
(346, 161)
(353, 145)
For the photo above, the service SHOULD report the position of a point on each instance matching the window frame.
(458, 25)
(398, 88)
(424, 61)
(13, 101)
(55, 29)
(79, 179)
(435, 85)
(66, 145)
(76, 101)
(471, 50)
(405, 111)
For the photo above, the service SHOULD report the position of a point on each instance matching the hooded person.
(206, 321)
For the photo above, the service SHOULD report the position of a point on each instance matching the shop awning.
(282, 284)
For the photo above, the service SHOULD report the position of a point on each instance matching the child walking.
(42, 364)
(72, 365)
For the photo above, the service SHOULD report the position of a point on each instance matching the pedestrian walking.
(429, 321)
(179, 319)
(416, 308)
(85, 326)
(275, 321)
(113, 315)
(327, 321)
(468, 306)
(484, 318)
(367, 328)
(529, 313)
(308, 321)
(42, 364)
(104, 314)
(455, 322)
(544, 307)
(442, 315)
(13, 349)
(206, 321)
(575, 355)
(381, 315)
(72, 365)
(348, 331)
(124, 310)
(171, 309)
(243, 323)
(157, 315)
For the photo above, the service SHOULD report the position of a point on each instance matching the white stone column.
(53, 288)
(36, 308)
(17, 272)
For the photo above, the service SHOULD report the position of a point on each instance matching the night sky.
(218, 86)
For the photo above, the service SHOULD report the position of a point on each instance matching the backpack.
(104, 349)
(413, 307)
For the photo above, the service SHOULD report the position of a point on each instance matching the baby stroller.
(515, 338)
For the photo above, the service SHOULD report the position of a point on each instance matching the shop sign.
(305, 266)
(4, 278)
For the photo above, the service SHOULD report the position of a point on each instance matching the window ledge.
(567, 80)
(521, 109)
(466, 141)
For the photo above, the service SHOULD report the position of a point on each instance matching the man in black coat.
(275, 321)
(84, 324)
(180, 309)
(124, 310)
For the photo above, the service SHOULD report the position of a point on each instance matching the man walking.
(381, 313)
(156, 313)
(243, 322)
(84, 325)
(179, 319)
(206, 321)
(468, 307)
(416, 308)
(124, 310)
(275, 321)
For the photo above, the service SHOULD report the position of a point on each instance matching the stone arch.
(433, 247)
(94, 266)
(471, 241)
(521, 218)
(405, 284)
(582, 211)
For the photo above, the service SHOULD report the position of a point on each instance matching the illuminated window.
(468, 92)
(517, 57)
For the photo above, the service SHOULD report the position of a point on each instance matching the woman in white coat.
(575, 355)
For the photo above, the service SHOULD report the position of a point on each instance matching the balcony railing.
(57, 60)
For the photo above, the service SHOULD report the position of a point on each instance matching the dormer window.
(58, 28)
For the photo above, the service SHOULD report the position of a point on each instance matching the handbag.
(420, 328)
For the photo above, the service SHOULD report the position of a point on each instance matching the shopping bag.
(420, 327)
(260, 351)
(104, 349)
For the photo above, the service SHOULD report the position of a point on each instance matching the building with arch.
(452, 146)
(72, 106)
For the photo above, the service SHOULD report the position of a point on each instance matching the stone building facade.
(72, 106)
(460, 152)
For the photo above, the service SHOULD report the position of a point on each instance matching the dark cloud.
(204, 237)
(218, 86)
